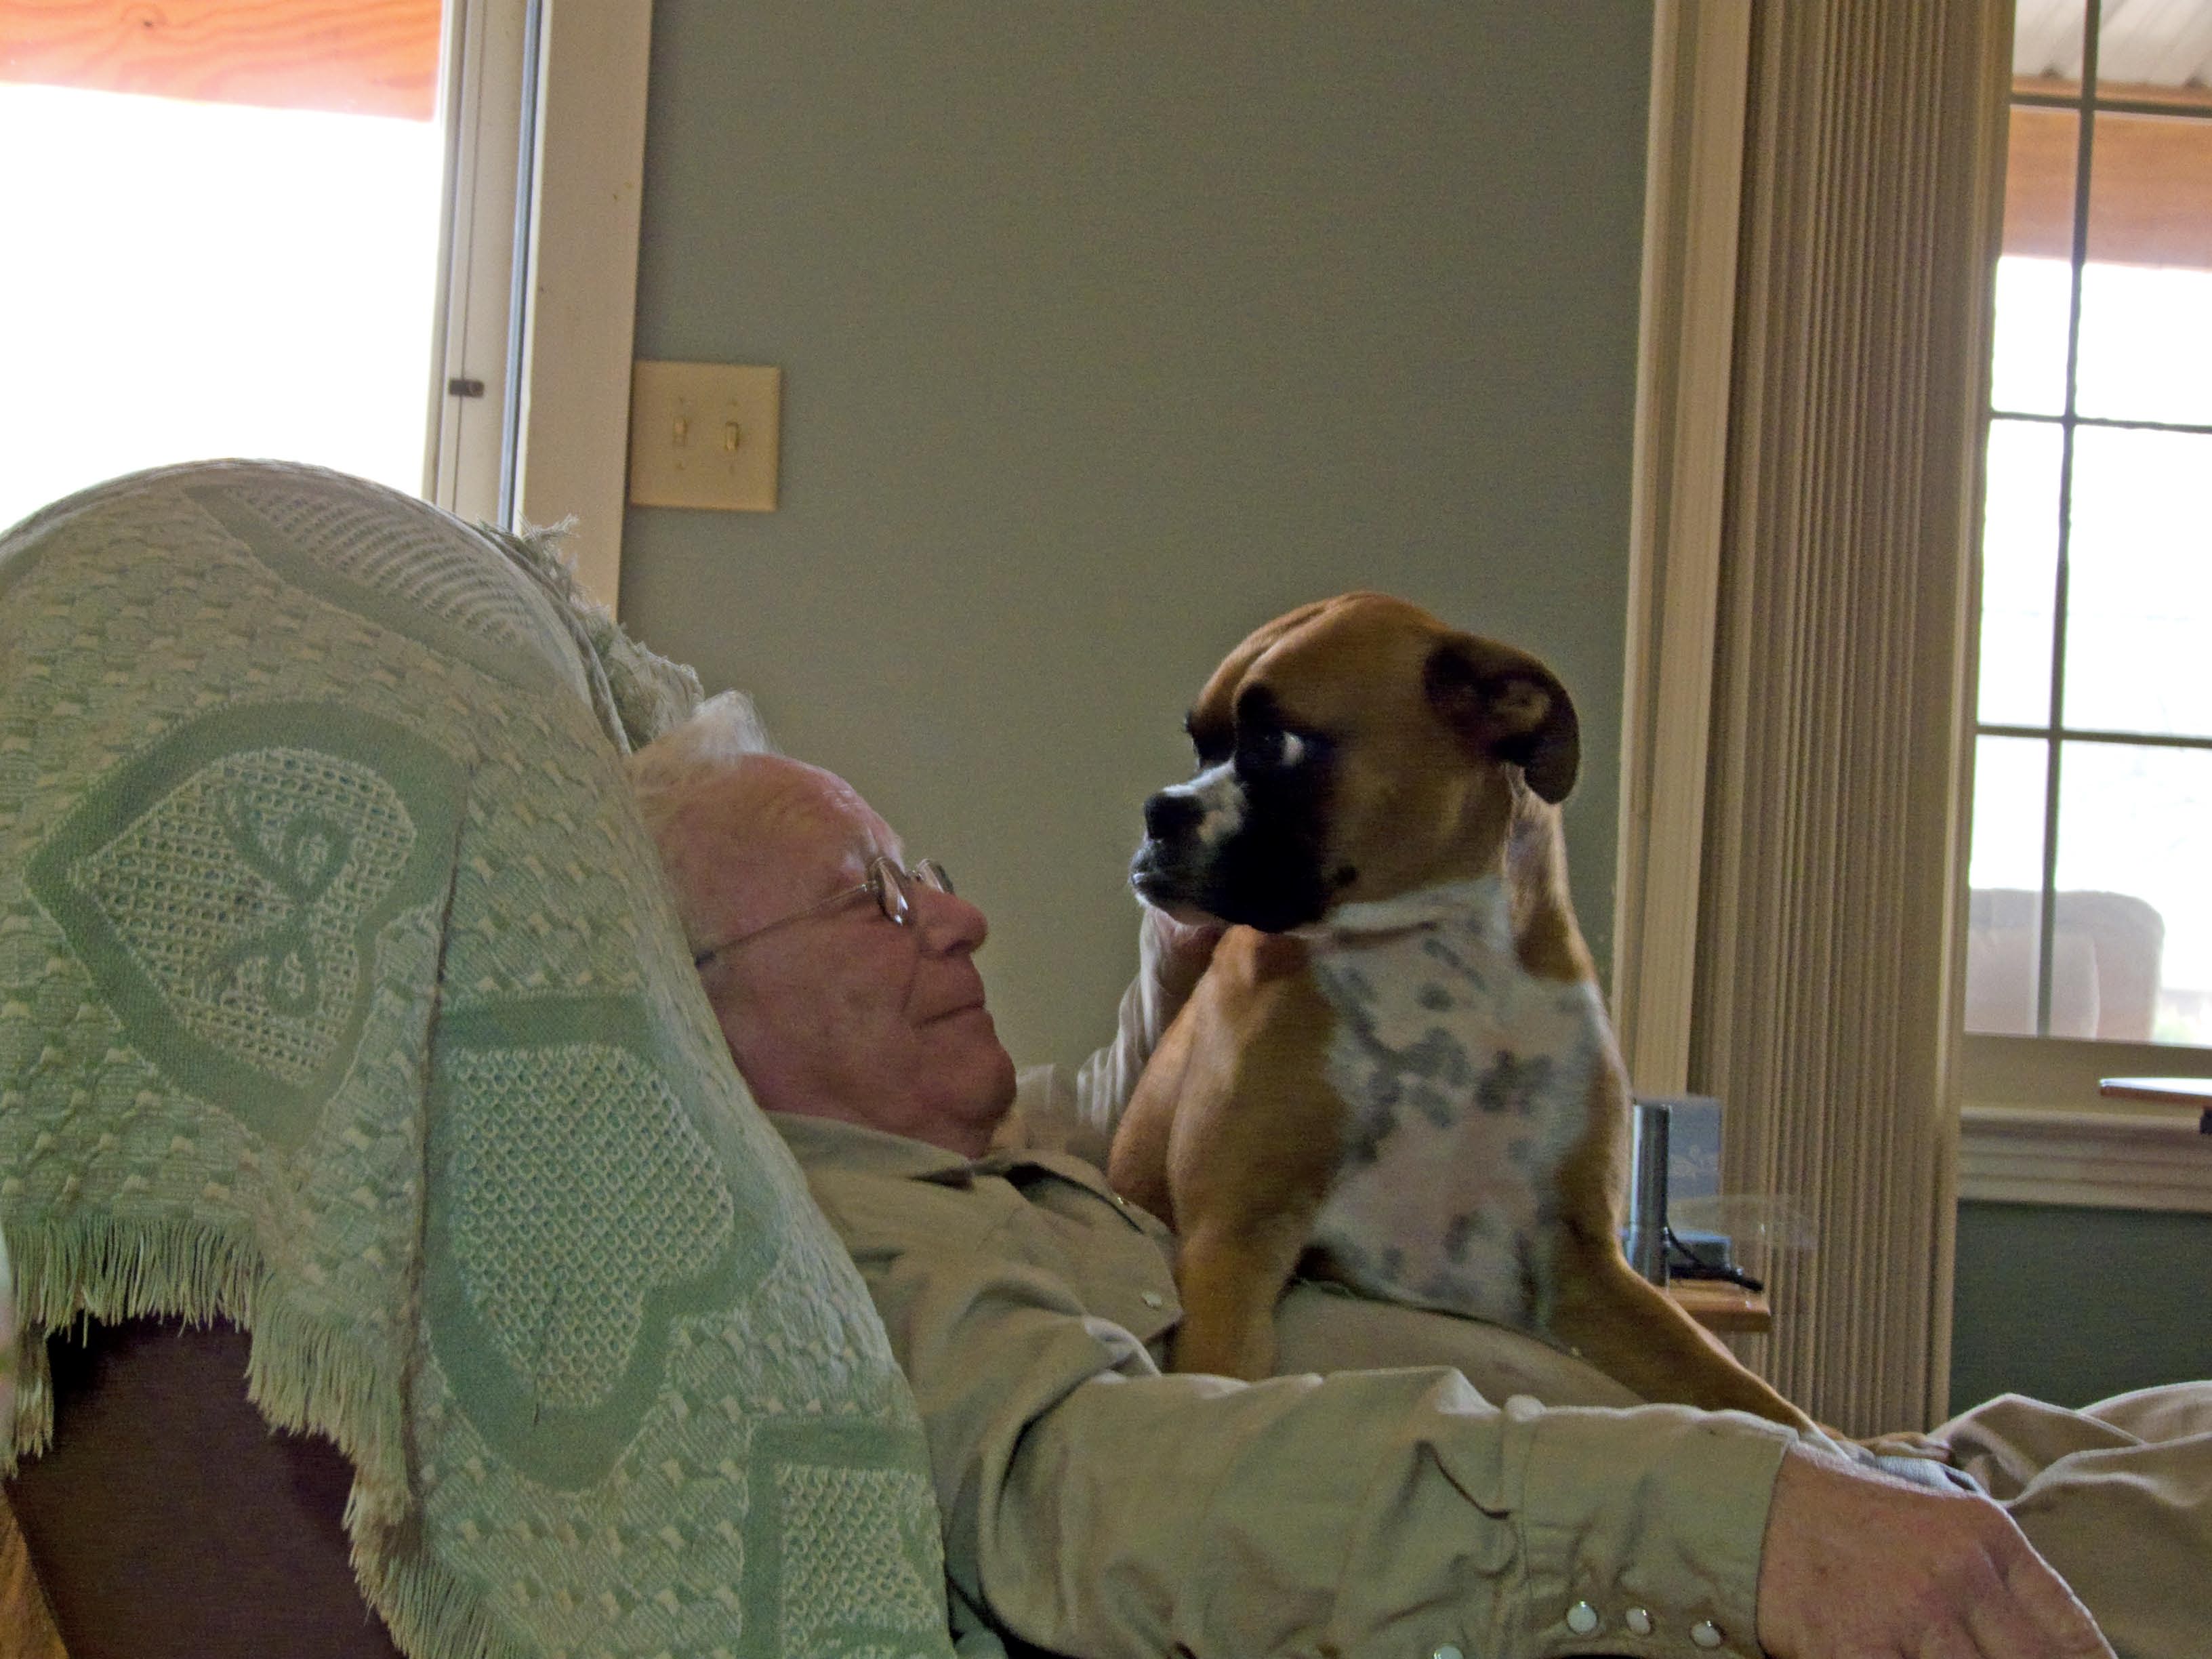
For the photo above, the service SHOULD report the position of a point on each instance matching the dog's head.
(1354, 749)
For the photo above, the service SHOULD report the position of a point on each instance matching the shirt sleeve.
(1105, 1081)
(1093, 1506)
(1056, 1113)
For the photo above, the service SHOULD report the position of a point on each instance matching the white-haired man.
(1094, 1506)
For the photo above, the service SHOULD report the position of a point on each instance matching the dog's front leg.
(1253, 1157)
(1252, 1145)
(1137, 1162)
(1231, 1274)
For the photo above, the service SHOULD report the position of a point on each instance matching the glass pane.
(2006, 874)
(2040, 153)
(2035, 275)
(213, 279)
(2027, 357)
(2047, 44)
(2134, 831)
(2139, 585)
(2146, 349)
(2020, 571)
(2147, 46)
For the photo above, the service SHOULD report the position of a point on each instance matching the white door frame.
(530, 422)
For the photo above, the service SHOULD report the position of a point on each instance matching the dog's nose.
(1168, 814)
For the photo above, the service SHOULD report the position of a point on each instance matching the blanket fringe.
(305, 1371)
(433, 1614)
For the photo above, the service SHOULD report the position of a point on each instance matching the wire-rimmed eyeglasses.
(891, 886)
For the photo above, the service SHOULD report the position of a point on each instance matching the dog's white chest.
(1466, 1081)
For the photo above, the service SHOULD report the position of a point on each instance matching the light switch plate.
(704, 435)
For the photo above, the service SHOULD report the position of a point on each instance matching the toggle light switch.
(704, 435)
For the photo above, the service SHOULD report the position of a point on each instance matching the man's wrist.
(1645, 1524)
(1174, 954)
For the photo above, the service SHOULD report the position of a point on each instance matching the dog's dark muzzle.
(1172, 868)
(1236, 882)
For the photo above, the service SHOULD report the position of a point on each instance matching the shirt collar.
(864, 1150)
(856, 1150)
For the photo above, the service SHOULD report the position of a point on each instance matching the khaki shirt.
(1093, 1506)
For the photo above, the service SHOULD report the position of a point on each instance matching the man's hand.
(1176, 954)
(1857, 1566)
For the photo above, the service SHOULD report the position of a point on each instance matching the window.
(2091, 851)
(279, 230)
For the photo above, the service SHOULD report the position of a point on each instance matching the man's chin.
(995, 1089)
(975, 1055)
(972, 1110)
(1005, 1095)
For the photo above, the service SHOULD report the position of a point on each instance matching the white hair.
(717, 736)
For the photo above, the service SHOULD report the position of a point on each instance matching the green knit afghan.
(339, 998)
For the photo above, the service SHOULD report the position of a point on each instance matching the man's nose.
(948, 923)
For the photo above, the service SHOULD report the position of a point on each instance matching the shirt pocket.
(1114, 1255)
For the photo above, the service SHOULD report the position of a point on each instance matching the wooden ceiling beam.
(354, 57)
(2150, 196)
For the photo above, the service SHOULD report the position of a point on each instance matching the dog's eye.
(1275, 751)
(1211, 746)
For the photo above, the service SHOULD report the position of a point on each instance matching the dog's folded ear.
(1505, 705)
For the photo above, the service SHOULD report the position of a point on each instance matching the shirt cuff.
(1641, 1529)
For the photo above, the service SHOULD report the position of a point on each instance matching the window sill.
(2142, 1159)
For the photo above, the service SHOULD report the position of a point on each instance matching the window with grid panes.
(2091, 870)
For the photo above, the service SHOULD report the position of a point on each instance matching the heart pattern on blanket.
(226, 891)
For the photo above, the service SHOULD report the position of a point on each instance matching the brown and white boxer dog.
(1397, 1070)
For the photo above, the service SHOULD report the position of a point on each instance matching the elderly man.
(1094, 1506)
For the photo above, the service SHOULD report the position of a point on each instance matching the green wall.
(2071, 1306)
(1108, 333)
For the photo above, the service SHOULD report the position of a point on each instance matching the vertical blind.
(1830, 886)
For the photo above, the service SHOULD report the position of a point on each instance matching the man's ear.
(1507, 705)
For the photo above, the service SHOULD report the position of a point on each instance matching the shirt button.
(1447, 1651)
(1638, 1620)
(1153, 1299)
(1582, 1619)
(1523, 1408)
(1706, 1634)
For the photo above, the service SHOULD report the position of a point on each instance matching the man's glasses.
(890, 887)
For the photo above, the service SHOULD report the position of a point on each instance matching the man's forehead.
(780, 820)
